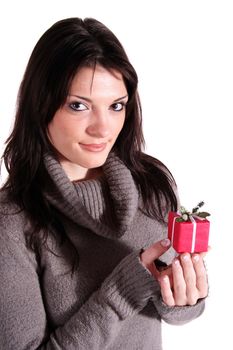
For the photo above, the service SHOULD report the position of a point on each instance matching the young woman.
(83, 210)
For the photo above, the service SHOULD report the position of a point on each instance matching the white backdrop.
(182, 51)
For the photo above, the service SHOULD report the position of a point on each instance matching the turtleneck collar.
(106, 205)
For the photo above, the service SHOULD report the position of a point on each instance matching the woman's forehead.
(97, 80)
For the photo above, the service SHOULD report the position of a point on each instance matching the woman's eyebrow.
(89, 100)
(121, 98)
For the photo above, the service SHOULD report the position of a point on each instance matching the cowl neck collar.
(106, 205)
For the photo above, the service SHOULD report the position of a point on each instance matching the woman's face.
(85, 128)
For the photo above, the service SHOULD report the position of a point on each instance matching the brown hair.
(64, 48)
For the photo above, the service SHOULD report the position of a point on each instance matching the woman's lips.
(93, 147)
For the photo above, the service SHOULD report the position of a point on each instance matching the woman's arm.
(24, 323)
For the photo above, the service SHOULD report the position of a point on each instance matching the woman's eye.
(77, 106)
(118, 106)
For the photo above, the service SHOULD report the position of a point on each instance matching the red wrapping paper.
(188, 237)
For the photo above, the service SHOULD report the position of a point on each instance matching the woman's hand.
(186, 282)
(183, 282)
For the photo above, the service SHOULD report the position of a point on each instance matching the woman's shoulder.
(150, 159)
(160, 178)
(12, 219)
(7, 206)
(155, 165)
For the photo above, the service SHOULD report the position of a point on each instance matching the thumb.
(152, 253)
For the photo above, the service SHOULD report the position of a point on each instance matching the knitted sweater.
(111, 301)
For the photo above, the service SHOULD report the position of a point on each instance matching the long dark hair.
(63, 49)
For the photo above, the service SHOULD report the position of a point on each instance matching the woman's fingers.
(166, 291)
(190, 279)
(182, 283)
(152, 253)
(179, 285)
(188, 283)
(201, 275)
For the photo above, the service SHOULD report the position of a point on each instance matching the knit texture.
(111, 302)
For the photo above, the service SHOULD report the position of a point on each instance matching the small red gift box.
(188, 236)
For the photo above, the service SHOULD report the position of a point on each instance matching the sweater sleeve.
(23, 322)
(178, 315)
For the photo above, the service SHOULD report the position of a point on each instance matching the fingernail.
(176, 262)
(165, 242)
(165, 279)
(196, 257)
(185, 257)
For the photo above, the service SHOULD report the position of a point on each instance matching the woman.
(83, 210)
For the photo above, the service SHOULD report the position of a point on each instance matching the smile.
(93, 147)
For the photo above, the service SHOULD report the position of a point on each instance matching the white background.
(182, 51)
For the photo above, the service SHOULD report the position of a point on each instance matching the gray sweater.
(111, 302)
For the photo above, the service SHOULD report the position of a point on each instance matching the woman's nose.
(100, 126)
